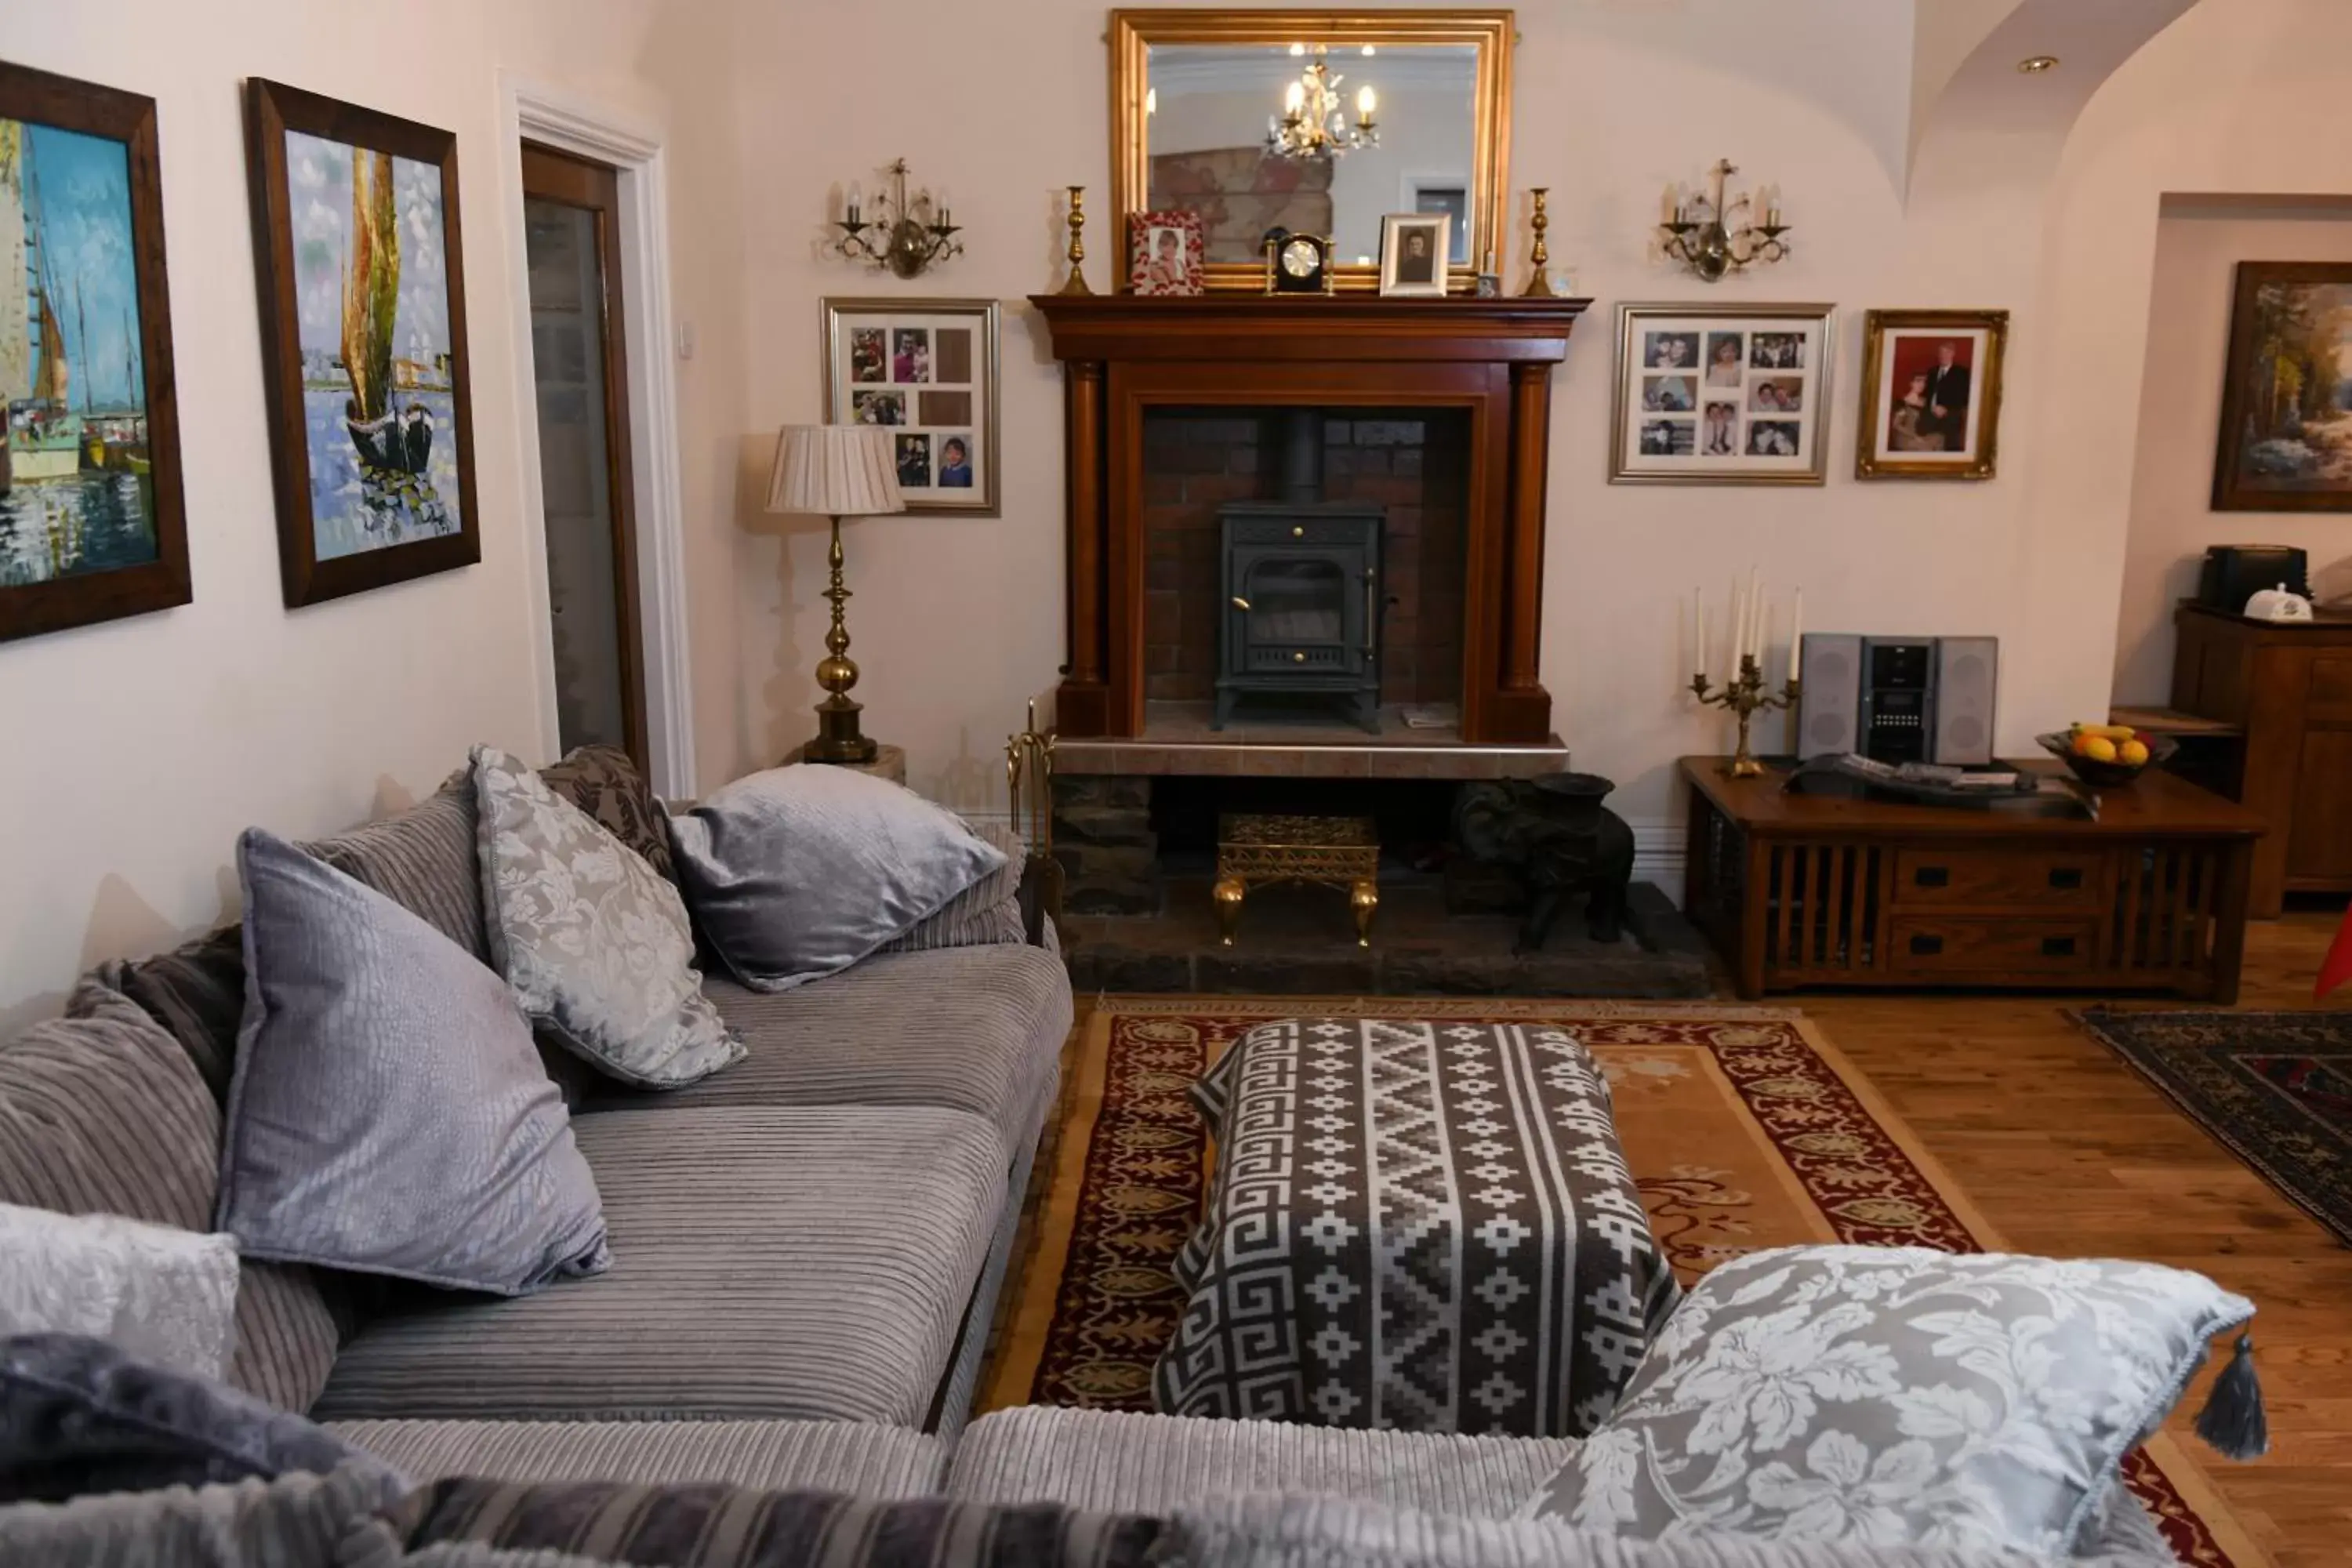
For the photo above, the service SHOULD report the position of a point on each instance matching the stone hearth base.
(1299, 940)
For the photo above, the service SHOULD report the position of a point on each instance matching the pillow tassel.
(2232, 1420)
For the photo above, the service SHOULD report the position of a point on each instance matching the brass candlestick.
(1745, 696)
(1078, 220)
(1540, 286)
(838, 739)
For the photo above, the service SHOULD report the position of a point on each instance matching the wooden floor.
(2065, 1150)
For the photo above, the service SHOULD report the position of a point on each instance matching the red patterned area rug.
(1744, 1126)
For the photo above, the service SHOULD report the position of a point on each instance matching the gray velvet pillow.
(389, 1113)
(593, 941)
(79, 1415)
(799, 873)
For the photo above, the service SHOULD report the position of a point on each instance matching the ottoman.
(1424, 1226)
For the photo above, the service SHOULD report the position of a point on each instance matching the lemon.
(2134, 752)
(2098, 748)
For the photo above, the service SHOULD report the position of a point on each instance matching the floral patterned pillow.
(1891, 1396)
(593, 940)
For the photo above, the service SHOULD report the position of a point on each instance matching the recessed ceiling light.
(1370, 50)
(2034, 65)
(1297, 49)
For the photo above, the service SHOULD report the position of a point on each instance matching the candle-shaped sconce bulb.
(1367, 102)
(856, 200)
(1151, 100)
(1796, 636)
(1295, 98)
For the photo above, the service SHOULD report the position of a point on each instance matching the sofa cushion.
(606, 784)
(421, 859)
(798, 872)
(772, 1455)
(986, 914)
(977, 1029)
(196, 991)
(1116, 1459)
(766, 1263)
(297, 1518)
(101, 1112)
(388, 1114)
(593, 941)
(157, 1291)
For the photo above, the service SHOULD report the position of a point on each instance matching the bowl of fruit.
(2107, 753)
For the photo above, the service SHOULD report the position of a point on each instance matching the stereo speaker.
(1968, 671)
(1829, 708)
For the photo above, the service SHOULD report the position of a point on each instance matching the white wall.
(137, 750)
(2198, 244)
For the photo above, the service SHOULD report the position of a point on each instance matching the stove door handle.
(1240, 603)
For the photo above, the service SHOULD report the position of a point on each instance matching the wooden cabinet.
(1812, 890)
(2289, 688)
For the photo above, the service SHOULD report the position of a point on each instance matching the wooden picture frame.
(387, 495)
(1904, 431)
(1150, 269)
(66, 471)
(1722, 394)
(2273, 452)
(926, 368)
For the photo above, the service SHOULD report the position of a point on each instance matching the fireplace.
(1478, 368)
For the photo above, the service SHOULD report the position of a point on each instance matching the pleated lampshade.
(835, 470)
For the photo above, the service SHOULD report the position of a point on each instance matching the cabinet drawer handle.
(1925, 946)
(2057, 947)
(1933, 877)
(2066, 877)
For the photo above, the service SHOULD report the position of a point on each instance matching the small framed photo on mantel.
(926, 369)
(1930, 395)
(1726, 394)
(1164, 251)
(1412, 255)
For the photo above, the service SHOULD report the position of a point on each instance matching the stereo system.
(1898, 700)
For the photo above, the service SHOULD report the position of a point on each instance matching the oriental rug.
(2273, 1089)
(1744, 1126)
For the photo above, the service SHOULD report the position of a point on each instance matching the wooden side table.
(889, 762)
(1800, 890)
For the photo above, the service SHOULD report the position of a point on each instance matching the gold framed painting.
(1930, 395)
(1721, 394)
(927, 371)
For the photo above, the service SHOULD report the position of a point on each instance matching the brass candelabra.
(1076, 284)
(1745, 696)
(1540, 258)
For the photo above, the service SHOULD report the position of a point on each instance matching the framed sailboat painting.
(363, 339)
(92, 522)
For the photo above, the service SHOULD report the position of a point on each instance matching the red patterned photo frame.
(1148, 269)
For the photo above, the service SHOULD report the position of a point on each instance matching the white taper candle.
(1796, 635)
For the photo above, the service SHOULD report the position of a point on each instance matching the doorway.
(580, 392)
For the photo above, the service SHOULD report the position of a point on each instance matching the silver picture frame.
(1682, 413)
(928, 370)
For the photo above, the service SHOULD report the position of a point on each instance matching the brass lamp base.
(837, 736)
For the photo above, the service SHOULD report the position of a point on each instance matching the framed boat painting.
(363, 343)
(2286, 401)
(1721, 394)
(93, 525)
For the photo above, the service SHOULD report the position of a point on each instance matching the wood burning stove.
(1301, 579)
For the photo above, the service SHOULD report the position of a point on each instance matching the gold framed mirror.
(1255, 120)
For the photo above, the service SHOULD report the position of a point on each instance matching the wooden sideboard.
(1800, 890)
(2289, 689)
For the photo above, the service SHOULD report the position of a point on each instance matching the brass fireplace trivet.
(1332, 851)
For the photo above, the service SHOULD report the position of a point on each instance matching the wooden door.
(580, 368)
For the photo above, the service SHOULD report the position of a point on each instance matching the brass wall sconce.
(906, 237)
(1701, 233)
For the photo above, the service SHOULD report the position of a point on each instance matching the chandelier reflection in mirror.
(903, 236)
(1312, 123)
(1701, 233)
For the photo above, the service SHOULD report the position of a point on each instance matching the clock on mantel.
(1298, 263)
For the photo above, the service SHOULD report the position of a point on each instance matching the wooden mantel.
(1124, 354)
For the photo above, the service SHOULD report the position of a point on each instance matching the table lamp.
(837, 471)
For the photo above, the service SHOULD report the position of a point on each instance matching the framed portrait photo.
(2286, 402)
(93, 525)
(1734, 394)
(363, 343)
(1930, 395)
(1413, 254)
(1164, 251)
(927, 369)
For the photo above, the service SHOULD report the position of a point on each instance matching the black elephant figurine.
(1552, 834)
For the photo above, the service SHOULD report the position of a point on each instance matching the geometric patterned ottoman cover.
(1420, 1226)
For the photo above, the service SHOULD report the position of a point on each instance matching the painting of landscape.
(2286, 413)
(372, 309)
(77, 495)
